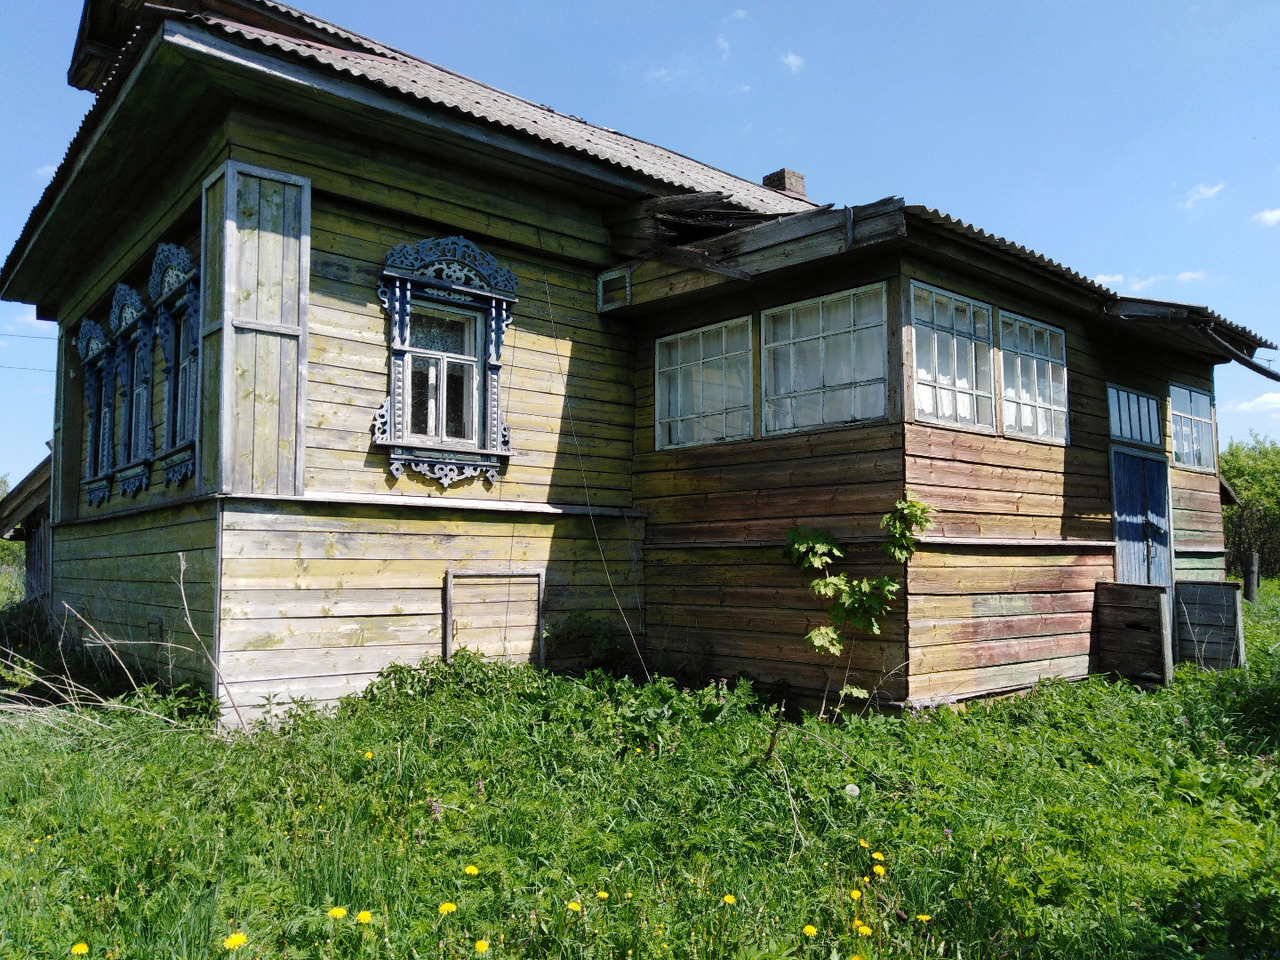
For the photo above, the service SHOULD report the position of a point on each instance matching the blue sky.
(1138, 143)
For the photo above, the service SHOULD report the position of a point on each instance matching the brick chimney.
(786, 181)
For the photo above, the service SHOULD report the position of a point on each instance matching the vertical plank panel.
(267, 388)
(286, 454)
(246, 271)
(291, 253)
(242, 413)
(271, 269)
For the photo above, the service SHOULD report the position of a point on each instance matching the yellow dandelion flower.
(79, 949)
(856, 956)
(447, 908)
(482, 946)
(364, 916)
(866, 879)
(235, 941)
(337, 913)
(810, 930)
(574, 905)
(368, 754)
(864, 931)
(628, 894)
(878, 856)
(602, 895)
(470, 869)
(878, 870)
(924, 917)
(855, 894)
(863, 844)
(730, 899)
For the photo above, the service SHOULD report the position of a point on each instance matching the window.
(140, 403)
(1135, 417)
(450, 307)
(952, 342)
(105, 433)
(825, 361)
(1192, 427)
(1035, 378)
(703, 385)
(174, 290)
(444, 359)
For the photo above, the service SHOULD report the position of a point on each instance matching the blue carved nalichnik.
(171, 268)
(453, 260)
(126, 307)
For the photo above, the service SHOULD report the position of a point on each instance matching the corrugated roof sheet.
(1008, 246)
(427, 82)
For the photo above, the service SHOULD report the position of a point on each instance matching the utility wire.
(27, 336)
(32, 369)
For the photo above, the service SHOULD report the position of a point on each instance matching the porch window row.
(823, 361)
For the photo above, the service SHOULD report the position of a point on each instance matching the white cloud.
(1138, 285)
(793, 62)
(1202, 192)
(723, 46)
(1267, 403)
(24, 321)
(1109, 279)
(738, 14)
(45, 172)
(1268, 218)
(1187, 276)
(745, 88)
(659, 75)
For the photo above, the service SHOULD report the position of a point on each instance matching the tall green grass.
(1081, 820)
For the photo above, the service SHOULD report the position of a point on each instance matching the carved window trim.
(174, 287)
(119, 372)
(448, 273)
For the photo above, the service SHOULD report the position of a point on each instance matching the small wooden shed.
(389, 362)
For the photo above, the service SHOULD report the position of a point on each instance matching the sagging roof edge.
(134, 54)
(26, 497)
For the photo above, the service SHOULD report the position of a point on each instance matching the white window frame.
(472, 360)
(696, 414)
(1176, 434)
(1126, 406)
(938, 383)
(1039, 361)
(821, 341)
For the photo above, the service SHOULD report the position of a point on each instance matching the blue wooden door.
(1140, 487)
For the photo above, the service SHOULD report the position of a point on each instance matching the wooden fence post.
(1251, 576)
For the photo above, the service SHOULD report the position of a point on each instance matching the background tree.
(1253, 470)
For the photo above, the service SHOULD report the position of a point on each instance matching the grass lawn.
(469, 810)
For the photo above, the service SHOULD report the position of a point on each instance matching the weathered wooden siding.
(120, 574)
(317, 598)
(1199, 546)
(1002, 594)
(567, 388)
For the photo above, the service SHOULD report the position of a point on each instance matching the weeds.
(608, 819)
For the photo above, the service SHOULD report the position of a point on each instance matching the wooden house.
(362, 361)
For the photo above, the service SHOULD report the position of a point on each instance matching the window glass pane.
(423, 395)
(946, 403)
(1042, 381)
(837, 315)
(1112, 404)
(806, 370)
(1041, 342)
(440, 332)
(806, 410)
(963, 319)
(982, 365)
(712, 386)
(964, 364)
(1034, 378)
(668, 354)
(1201, 408)
(738, 380)
(837, 405)
(777, 326)
(921, 304)
(778, 362)
(778, 414)
(808, 321)
(459, 415)
(737, 423)
(1058, 397)
(945, 358)
(869, 306)
(690, 348)
(1010, 375)
(737, 337)
(869, 354)
(985, 408)
(942, 312)
(869, 401)
(964, 407)
(926, 402)
(712, 343)
(837, 359)
(690, 394)
(926, 361)
(981, 322)
(1180, 398)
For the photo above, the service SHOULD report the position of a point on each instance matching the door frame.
(1148, 454)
